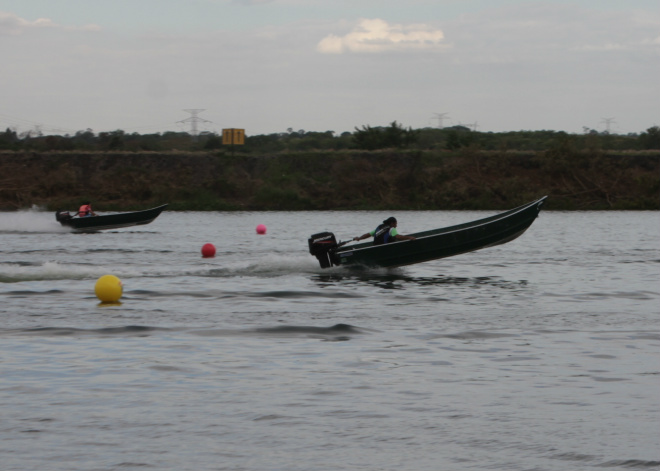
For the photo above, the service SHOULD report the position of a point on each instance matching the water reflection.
(398, 280)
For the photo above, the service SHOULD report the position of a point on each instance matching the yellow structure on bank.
(233, 136)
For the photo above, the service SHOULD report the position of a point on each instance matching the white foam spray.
(30, 220)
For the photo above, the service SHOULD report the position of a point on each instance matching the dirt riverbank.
(466, 179)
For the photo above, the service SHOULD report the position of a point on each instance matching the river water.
(540, 354)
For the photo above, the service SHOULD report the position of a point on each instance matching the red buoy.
(208, 250)
(261, 229)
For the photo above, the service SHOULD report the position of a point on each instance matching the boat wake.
(271, 265)
(19, 272)
(267, 267)
(337, 332)
(32, 220)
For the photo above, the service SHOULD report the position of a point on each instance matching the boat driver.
(385, 233)
(86, 210)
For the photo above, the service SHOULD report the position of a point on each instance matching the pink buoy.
(208, 250)
(261, 229)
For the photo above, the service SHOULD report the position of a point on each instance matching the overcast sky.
(329, 65)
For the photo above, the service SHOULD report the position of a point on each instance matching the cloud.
(12, 24)
(376, 35)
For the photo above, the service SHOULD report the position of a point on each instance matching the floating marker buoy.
(261, 229)
(108, 289)
(208, 250)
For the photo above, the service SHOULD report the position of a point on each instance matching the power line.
(38, 127)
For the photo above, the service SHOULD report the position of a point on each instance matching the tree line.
(394, 136)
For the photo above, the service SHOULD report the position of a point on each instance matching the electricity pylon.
(193, 120)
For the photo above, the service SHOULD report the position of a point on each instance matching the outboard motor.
(62, 216)
(322, 246)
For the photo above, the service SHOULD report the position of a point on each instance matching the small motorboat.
(108, 221)
(428, 245)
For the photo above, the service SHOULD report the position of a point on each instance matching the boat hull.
(444, 242)
(111, 221)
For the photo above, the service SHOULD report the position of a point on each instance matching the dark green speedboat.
(428, 245)
(108, 221)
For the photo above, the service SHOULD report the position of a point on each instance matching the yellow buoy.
(108, 289)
